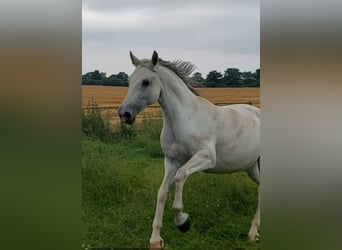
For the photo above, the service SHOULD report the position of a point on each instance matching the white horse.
(196, 135)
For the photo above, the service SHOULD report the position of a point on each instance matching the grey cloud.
(105, 5)
(222, 27)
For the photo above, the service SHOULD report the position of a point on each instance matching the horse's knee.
(180, 175)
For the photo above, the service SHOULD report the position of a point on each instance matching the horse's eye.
(145, 83)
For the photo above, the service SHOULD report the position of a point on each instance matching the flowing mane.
(181, 68)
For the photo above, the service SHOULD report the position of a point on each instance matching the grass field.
(121, 177)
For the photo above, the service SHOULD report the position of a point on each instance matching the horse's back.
(239, 116)
(242, 108)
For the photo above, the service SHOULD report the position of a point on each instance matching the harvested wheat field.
(109, 98)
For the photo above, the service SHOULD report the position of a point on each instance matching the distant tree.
(96, 75)
(232, 77)
(213, 79)
(257, 74)
(120, 79)
(87, 79)
(248, 79)
(123, 76)
(87, 75)
(257, 77)
(93, 78)
(197, 79)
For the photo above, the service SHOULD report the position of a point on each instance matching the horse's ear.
(155, 58)
(135, 61)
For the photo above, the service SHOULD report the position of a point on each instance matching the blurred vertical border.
(301, 101)
(40, 103)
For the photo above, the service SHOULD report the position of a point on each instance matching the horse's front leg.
(171, 166)
(202, 160)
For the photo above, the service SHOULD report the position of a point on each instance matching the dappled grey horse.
(196, 135)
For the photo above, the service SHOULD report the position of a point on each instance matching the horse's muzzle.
(126, 116)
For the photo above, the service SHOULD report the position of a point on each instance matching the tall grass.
(94, 124)
(97, 125)
(121, 177)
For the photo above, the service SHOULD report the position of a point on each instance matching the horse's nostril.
(127, 115)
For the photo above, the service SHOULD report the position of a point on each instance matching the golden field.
(108, 96)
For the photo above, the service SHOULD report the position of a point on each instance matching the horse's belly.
(233, 156)
(219, 171)
(230, 163)
(224, 167)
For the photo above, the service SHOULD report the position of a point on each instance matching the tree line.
(232, 77)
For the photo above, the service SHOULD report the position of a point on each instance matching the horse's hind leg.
(253, 233)
(254, 173)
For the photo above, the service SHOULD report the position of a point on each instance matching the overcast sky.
(213, 35)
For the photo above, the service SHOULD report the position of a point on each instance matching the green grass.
(120, 183)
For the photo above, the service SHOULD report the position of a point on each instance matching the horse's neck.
(176, 99)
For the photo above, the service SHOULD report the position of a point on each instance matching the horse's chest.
(177, 150)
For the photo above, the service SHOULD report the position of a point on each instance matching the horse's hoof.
(185, 226)
(157, 245)
(254, 236)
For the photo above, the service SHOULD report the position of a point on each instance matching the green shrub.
(152, 127)
(127, 131)
(94, 124)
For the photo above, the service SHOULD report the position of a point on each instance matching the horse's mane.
(181, 68)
